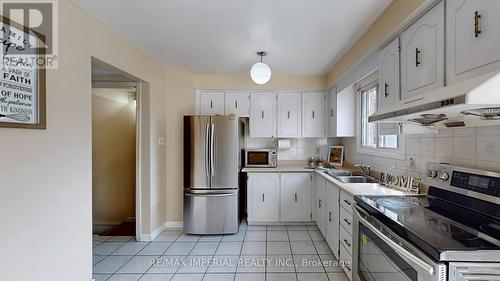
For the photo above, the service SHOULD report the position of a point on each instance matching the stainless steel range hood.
(470, 103)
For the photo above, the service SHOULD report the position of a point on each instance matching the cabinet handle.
(262, 197)
(348, 222)
(211, 104)
(417, 57)
(347, 243)
(313, 114)
(331, 112)
(262, 114)
(329, 216)
(386, 92)
(295, 195)
(236, 104)
(319, 203)
(477, 24)
(347, 202)
(348, 268)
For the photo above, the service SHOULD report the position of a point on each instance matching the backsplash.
(300, 149)
(468, 147)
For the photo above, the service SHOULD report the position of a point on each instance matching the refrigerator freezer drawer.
(211, 213)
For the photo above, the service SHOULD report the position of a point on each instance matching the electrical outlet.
(410, 163)
(161, 141)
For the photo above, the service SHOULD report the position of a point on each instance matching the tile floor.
(256, 253)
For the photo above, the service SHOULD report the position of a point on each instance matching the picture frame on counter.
(23, 81)
(336, 155)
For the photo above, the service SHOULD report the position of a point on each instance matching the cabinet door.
(320, 204)
(332, 217)
(263, 115)
(212, 103)
(331, 114)
(346, 113)
(313, 114)
(289, 115)
(472, 38)
(389, 75)
(263, 191)
(295, 197)
(237, 103)
(422, 54)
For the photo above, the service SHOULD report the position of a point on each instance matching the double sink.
(350, 177)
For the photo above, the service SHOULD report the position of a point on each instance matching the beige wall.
(46, 175)
(396, 13)
(243, 82)
(113, 156)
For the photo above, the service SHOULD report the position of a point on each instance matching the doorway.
(115, 153)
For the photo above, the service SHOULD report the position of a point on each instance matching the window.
(370, 132)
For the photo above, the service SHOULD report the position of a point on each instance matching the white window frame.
(395, 153)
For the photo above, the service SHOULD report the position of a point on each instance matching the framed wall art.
(336, 155)
(22, 80)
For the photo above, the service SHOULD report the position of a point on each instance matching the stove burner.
(491, 229)
(395, 203)
(462, 235)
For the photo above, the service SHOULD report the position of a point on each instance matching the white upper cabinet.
(295, 197)
(211, 103)
(472, 38)
(289, 115)
(346, 113)
(313, 114)
(331, 114)
(263, 115)
(237, 103)
(422, 54)
(389, 75)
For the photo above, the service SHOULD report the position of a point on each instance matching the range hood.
(470, 103)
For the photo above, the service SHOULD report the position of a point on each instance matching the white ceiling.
(302, 37)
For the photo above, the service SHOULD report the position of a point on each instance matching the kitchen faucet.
(366, 168)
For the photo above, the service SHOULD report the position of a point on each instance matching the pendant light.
(260, 72)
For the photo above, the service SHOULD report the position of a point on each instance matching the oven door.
(381, 255)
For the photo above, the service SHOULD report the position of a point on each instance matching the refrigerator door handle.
(212, 152)
(210, 194)
(207, 150)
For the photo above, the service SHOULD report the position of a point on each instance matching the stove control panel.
(464, 179)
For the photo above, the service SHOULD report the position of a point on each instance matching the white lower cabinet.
(332, 218)
(320, 204)
(279, 197)
(263, 195)
(295, 197)
(345, 256)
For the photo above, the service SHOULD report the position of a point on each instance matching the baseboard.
(161, 228)
(175, 224)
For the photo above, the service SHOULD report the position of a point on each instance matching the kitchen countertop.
(351, 188)
(363, 188)
(281, 168)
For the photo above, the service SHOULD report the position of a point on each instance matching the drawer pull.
(288, 114)
(319, 203)
(417, 57)
(386, 92)
(262, 197)
(348, 222)
(236, 104)
(347, 243)
(262, 114)
(347, 202)
(477, 24)
(329, 216)
(295, 195)
(211, 104)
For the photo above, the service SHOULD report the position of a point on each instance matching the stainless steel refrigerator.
(212, 151)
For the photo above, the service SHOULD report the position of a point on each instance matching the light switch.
(161, 141)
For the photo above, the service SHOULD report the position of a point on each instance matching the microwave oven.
(265, 158)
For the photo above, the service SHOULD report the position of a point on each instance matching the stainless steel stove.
(453, 233)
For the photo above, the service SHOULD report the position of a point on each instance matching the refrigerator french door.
(211, 174)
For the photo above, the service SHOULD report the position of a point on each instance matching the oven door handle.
(398, 249)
